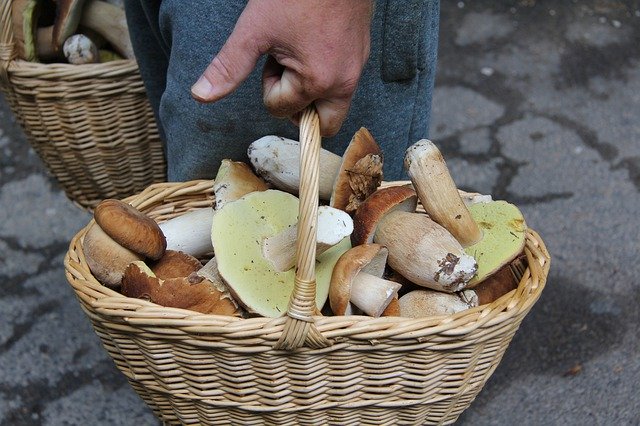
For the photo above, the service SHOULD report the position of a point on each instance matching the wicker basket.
(91, 125)
(193, 368)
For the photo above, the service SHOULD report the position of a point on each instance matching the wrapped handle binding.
(299, 329)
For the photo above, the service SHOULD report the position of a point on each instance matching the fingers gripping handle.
(299, 329)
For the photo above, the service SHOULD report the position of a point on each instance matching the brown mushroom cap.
(175, 264)
(378, 204)
(360, 172)
(192, 292)
(130, 228)
(369, 258)
(107, 260)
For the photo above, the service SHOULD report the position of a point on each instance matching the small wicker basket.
(301, 369)
(91, 125)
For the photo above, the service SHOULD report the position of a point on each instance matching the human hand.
(317, 50)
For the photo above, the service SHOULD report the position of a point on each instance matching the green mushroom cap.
(238, 231)
(503, 237)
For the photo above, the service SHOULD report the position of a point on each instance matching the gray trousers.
(174, 41)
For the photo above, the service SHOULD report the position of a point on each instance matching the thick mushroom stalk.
(491, 232)
(191, 232)
(344, 181)
(425, 303)
(333, 226)
(424, 252)
(357, 279)
(419, 249)
(276, 160)
(438, 192)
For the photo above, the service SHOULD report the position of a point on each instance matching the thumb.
(231, 66)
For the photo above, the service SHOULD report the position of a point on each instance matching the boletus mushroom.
(80, 49)
(120, 235)
(333, 226)
(238, 232)
(191, 291)
(344, 181)
(419, 249)
(425, 303)
(357, 279)
(104, 18)
(492, 232)
(33, 43)
(191, 232)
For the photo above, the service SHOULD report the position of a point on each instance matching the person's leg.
(392, 99)
(151, 52)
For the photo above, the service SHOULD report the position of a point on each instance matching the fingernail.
(203, 89)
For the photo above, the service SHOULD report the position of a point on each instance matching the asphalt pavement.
(536, 102)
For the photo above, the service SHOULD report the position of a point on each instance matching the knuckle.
(221, 67)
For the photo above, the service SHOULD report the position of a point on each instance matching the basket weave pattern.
(91, 125)
(192, 368)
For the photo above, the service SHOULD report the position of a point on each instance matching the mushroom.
(120, 235)
(276, 160)
(130, 228)
(333, 226)
(492, 232)
(344, 181)
(357, 279)
(419, 249)
(107, 260)
(192, 292)
(32, 43)
(174, 264)
(191, 232)
(235, 179)
(106, 19)
(424, 303)
(80, 49)
(428, 303)
(237, 234)
(359, 174)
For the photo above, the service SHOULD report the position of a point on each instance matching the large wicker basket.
(91, 125)
(193, 368)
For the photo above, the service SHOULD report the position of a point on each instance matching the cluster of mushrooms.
(378, 252)
(71, 31)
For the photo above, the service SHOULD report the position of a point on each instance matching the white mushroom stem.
(333, 226)
(190, 233)
(80, 49)
(372, 294)
(424, 252)
(438, 192)
(276, 160)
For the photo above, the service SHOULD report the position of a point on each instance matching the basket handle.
(299, 329)
(7, 50)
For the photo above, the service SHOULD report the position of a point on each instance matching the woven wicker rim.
(166, 200)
